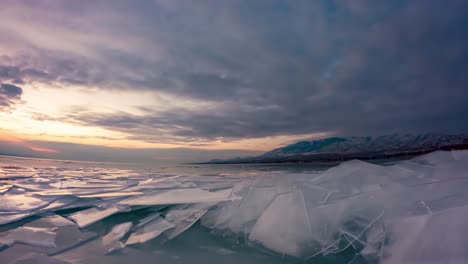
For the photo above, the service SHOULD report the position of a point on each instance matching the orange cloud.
(9, 138)
(46, 150)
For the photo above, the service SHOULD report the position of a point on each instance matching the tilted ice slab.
(57, 221)
(112, 240)
(8, 218)
(184, 216)
(109, 194)
(34, 236)
(84, 185)
(149, 231)
(78, 192)
(21, 202)
(239, 216)
(284, 226)
(431, 238)
(180, 196)
(68, 235)
(5, 188)
(92, 215)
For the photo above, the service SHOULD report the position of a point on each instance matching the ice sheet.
(35, 258)
(392, 213)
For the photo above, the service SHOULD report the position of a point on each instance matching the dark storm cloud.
(274, 67)
(9, 95)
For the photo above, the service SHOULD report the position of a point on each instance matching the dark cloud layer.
(9, 95)
(274, 67)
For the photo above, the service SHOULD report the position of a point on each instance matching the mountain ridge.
(355, 147)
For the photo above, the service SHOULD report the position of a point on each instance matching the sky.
(169, 80)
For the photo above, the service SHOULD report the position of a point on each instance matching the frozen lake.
(411, 211)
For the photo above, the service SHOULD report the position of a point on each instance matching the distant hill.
(346, 148)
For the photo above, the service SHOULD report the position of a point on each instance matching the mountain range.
(346, 148)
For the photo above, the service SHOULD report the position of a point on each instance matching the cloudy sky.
(187, 80)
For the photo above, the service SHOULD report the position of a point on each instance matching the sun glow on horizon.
(40, 119)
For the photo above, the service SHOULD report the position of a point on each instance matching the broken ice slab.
(76, 191)
(112, 240)
(216, 186)
(59, 203)
(374, 244)
(284, 226)
(57, 220)
(432, 238)
(154, 182)
(9, 218)
(460, 156)
(184, 216)
(353, 177)
(149, 231)
(180, 196)
(33, 187)
(147, 219)
(166, 185)
(21, 202)
(436, 158)
(239, 216)
(84, 184)
(34, 236)
(109, 194)
(68, 235)
(35, 258)
(92, 215)
(5, 188)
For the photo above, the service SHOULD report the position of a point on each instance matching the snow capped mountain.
(381, 144)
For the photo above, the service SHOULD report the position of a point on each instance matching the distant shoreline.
(333, 157)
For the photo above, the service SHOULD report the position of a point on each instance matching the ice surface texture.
(412, 211)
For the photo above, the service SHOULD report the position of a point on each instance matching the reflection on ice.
(180, 196)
